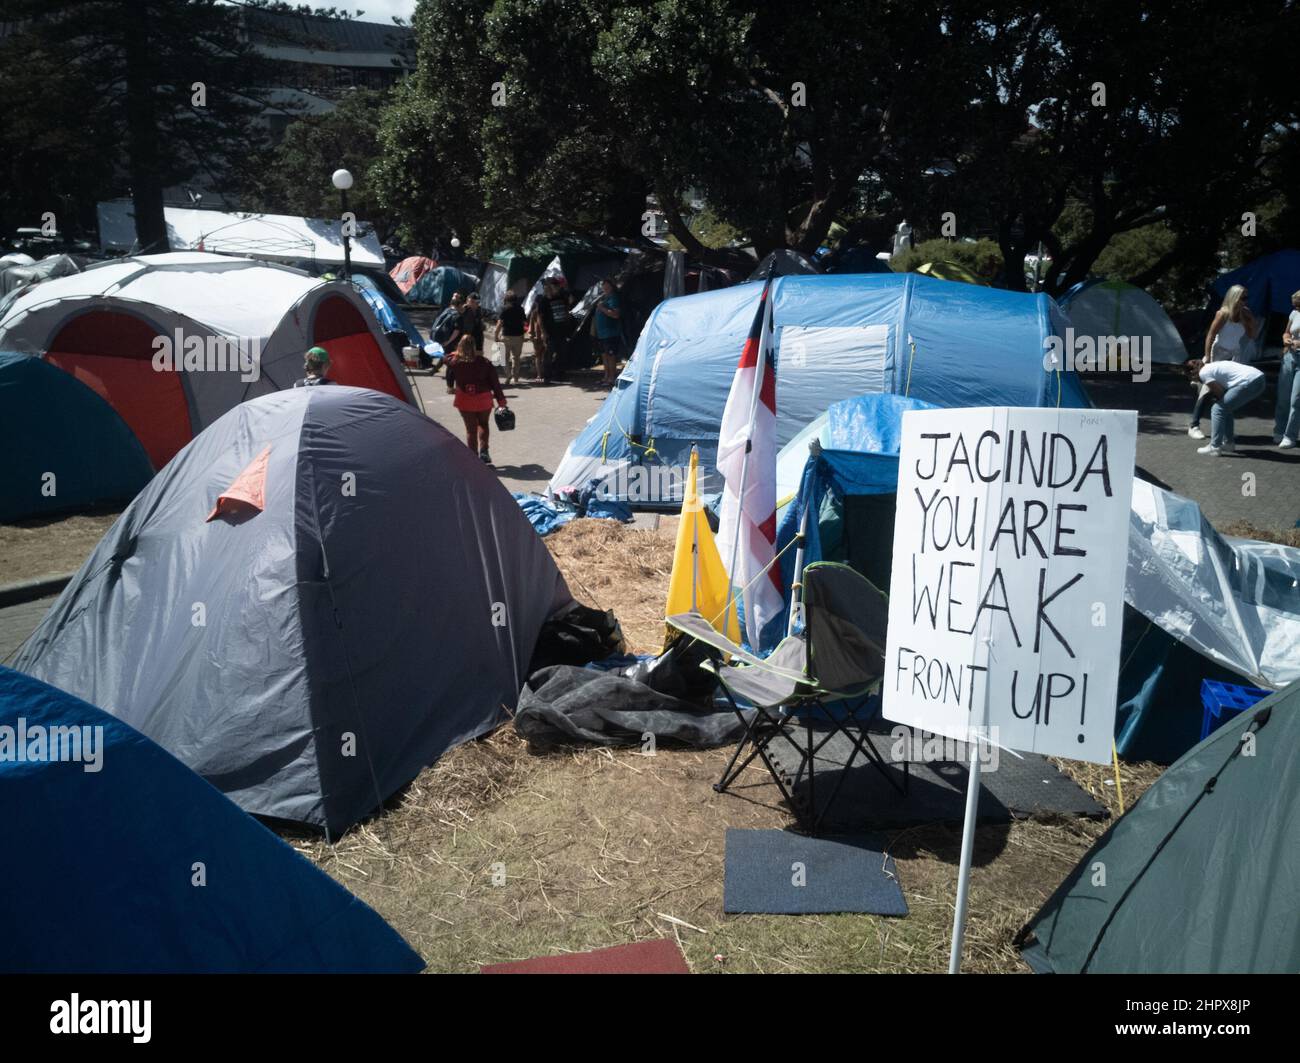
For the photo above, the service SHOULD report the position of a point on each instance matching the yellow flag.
(697, 565)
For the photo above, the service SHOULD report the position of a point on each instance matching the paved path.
(547, 417)
(17, 622)
(1259, 484)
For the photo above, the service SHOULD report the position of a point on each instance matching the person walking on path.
(1226, 339)
(559, 330)
(510, 333)
(608, 330)
(539, 325)
(470, 322)
(475, 383)
(1286, 415)
(1232, 386)
(443, 331)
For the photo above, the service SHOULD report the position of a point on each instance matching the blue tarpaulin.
(391, 317)
(546, 515)
(1269, 280)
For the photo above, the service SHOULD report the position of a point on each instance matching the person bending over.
(1231, 386)
(1233, 326)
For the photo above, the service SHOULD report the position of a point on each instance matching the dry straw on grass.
(497, 854)
(612, 566)
(1243, 529)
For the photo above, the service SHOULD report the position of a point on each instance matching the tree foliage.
(166, 90)
(1068, 126)
(296, 179)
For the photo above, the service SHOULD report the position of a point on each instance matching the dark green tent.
(1200, 876)
(582, 261)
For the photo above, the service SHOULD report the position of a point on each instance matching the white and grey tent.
(365, 596)
(1120, 313)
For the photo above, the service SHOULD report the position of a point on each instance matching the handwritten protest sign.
(1007, 593)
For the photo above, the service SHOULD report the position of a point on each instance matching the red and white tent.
(106, 327)
(407, 272)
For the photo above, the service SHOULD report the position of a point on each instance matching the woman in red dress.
(474, 380)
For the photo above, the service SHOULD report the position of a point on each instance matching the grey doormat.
(1023, 786)
(775, 872)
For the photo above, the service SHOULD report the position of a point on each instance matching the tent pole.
(695, 533)
(796, 585)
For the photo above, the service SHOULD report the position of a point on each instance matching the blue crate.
(1223, 701)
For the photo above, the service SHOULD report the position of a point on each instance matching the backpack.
(445, 326)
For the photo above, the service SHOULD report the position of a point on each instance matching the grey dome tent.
(365, 596)
(1200, 875)
(783, 262)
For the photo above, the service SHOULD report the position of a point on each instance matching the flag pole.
(695, 532)
(763, 334)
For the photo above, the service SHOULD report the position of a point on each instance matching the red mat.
(645, 957)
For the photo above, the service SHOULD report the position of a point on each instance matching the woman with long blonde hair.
(1226, 339)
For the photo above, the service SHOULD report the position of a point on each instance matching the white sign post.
(1007, 591)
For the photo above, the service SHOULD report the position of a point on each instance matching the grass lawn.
(496, 853)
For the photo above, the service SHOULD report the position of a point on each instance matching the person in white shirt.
(1286, 416)
(1226, 340)
(1231, 385)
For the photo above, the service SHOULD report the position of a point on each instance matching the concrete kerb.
(33, 589)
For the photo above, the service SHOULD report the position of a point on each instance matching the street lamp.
(343, 181)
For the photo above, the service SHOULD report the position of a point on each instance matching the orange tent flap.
(248, 488)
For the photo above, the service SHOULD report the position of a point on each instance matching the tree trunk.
(695, 250)
(1013, 257)
(627, 206)
(821, 214)
(142, 133)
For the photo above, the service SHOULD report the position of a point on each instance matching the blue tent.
(899, 333)
(1269, 280)
(64, 447)
(125, 861)
(437, 286)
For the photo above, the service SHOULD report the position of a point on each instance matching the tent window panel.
(111, 353)
(355, 358)
(860, 349)
(867, 541)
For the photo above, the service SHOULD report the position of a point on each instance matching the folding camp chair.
(837, 657)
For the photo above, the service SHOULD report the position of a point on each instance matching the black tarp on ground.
(1025, 785)
(565, 704)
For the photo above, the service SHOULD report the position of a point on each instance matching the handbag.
(505, 419)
